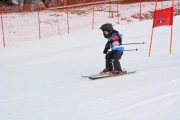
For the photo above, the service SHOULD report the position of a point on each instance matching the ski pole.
(132, 50)
(128, 50)
(134, 43)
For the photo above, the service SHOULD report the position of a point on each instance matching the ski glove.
(106, 50)
(107, 47)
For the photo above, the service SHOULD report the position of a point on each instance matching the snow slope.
(54, 22)
(41, 80)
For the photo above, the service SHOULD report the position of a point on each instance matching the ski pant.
(112, 60)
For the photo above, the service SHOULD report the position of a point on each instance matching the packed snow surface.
(41, 79)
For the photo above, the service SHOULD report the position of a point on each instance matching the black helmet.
(107, 27)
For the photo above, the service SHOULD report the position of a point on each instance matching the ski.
(99, 76)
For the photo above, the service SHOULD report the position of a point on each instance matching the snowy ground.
(41, 80)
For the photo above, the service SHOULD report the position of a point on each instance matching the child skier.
(115, 43)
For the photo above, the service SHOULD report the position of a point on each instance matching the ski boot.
(106, 70)
(116, 72)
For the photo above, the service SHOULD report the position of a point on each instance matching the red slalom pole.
(93, 17)
(39, 27)
(109, 9)
(118, 10)
(67, 15)
(4, 44)
(150, 47)
(171, 29)
(178, 7)
(140, 11)
(171, 40)
(152, 32)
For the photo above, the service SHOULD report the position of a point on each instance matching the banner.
(163, 17)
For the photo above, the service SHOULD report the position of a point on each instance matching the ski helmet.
(106, 27)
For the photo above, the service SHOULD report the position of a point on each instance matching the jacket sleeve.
(107, 46)
(116, 38)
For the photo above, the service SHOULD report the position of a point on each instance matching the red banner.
(163, 17)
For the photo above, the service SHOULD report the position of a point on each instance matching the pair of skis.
(106, 75)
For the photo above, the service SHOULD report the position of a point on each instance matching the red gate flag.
(163, 17)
